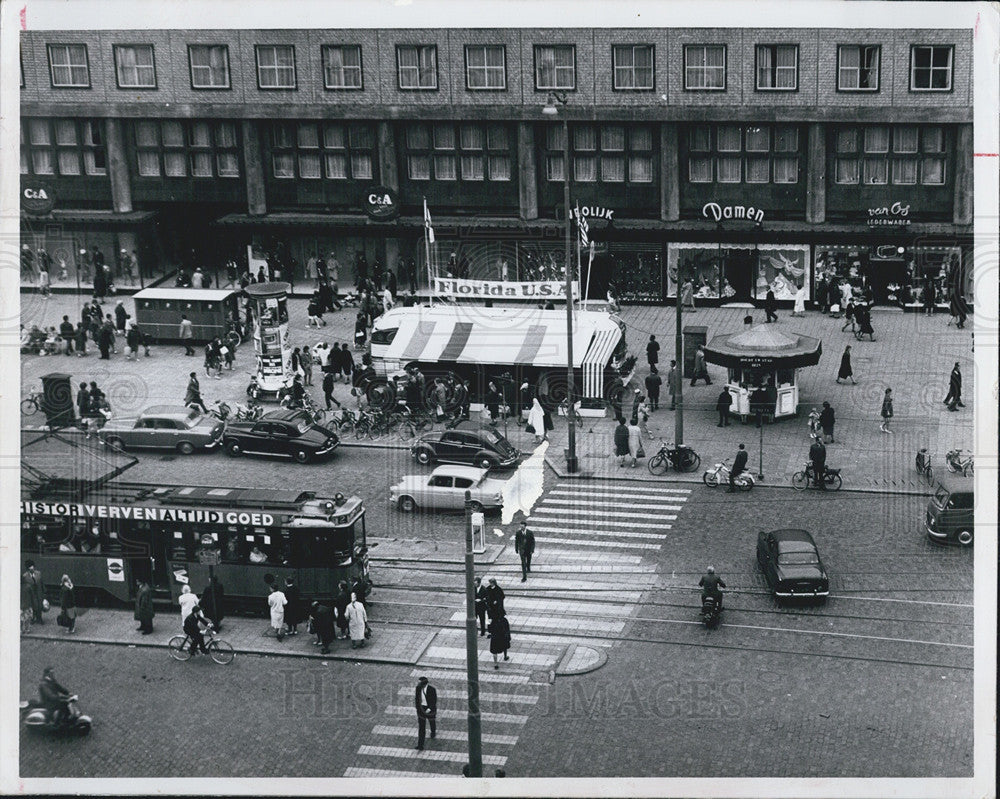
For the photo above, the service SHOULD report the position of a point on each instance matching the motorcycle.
(39, 718)
(719, 474)
(711, 612)
(250, 412)
(220, 410)
(682, 458)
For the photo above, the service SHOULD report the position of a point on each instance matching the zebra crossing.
(594, 557)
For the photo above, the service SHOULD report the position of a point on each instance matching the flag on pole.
(427, 223)
(581, 223)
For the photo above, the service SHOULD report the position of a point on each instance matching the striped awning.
(602, 345)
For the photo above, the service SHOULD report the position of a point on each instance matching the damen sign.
(719, 212)
(538, 290)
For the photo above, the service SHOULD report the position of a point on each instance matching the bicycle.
(564, 411)
(682, 458)
(220, 651)
(923, 463)
(806, 479)
(413, 423)
(959, 463)
(233, 337)
(32, 404)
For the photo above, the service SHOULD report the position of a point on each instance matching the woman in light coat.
(536, 418)
(800, 301)
(356, 620)
(634, 442)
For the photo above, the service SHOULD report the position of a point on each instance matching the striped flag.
(427, 223)
(581, 223)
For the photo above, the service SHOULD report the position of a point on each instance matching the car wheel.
(115, 443)
(407, 504)
(486, 462)
(185, 448)
(301, 456)
(476, 507)
(964, 538)
(424, 456)
(233, 449)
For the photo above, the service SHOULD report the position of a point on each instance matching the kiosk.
(269, 304)
(764, 359)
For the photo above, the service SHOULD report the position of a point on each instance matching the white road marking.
(447, 735)
(580, 542)
(608, 504)
(604, 514)
(429, 754)
(498, 718)
(406, 691)
(537, 528)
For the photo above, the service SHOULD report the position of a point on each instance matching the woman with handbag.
(67, 601)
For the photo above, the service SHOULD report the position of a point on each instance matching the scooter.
(719, 474)
(711, 612)
(39, 718)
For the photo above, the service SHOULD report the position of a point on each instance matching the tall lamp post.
(552, 109)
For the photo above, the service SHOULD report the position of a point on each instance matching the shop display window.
(783, 270)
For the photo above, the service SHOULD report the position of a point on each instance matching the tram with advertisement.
(109, 535)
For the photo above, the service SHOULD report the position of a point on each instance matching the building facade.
(746, 158)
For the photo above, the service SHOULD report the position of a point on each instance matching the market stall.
(763, 362)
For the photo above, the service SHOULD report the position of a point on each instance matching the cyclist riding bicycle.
(192, 629)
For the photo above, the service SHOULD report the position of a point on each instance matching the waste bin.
(57, 400)
(694, 336)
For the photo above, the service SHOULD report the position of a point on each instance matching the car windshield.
(301, 426)
(797, 558)
(192, 418)
(941, 496)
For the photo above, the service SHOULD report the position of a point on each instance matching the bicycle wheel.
(319, 415)
(953, 467)
(233, 339)
(710, 478)
(407, 430)
(221, 652)
(361, 430)
(657, 465)
(691, 462)
(968, 470)
(834, 482)
(178, 648)
(29, 406)
(799, 481)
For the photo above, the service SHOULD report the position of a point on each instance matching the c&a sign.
(381, 203)
(37, 198)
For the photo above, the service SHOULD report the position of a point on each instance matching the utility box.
(478, 532)
(694, 336)
(57, 400)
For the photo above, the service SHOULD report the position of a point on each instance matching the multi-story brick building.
(758, 157)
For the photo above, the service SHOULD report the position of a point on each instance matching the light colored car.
(444, 489)
(164, 427)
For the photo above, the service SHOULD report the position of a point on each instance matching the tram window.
(29, 538)
(50, 535)
(232, 549)
(261, 548)
(324, 548)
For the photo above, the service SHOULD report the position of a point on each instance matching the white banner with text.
(536, 290)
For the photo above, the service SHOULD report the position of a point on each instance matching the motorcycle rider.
(54, 697)
(711, 584)
(739, 466)
(253, 388)
(817, 456)
(192, 628)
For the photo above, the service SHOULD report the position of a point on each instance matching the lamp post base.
(572, 462)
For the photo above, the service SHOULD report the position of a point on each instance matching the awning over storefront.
(89, 215)
(763, 346)
(602, 345)
(442, 224)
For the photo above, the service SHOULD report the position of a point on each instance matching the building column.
(388, 169)
(670, 195)
(253, 163)
(121, 182)
(962, 210)
(816, 173)
(527, 171)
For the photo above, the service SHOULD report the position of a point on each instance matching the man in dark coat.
(67, 334)
(817, 456)
(739, 466)
(770, 306)
(481, 606)
(758, 403)
(524, 545)
(425, 701)
(193, 394)
(653, 351)
(293, 610)
(83, 401)
(723, 404)
(494, 599)
(673, 382)
(826, 420)
(213, 602)
(33, 586)
(846, 370)
(106, 340)
(411, 274)
(954, 398)
(144, 607)
(322, 616)
(340, 603)
(653, 382)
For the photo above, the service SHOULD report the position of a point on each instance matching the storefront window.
(783, 270)
(700, 262)
(636, 271)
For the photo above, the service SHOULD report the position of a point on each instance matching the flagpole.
(590, 266)
(428, 232)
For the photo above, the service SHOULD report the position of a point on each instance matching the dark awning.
(90, 215)
(763, 346)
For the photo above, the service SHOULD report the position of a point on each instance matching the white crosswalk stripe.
(538, 528)
(575, 503)
(604, 513)
(581, 542)
(444, 735)
(585, 489)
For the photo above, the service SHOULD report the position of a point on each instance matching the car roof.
(957, 483)
(283, 415)
(794, 540)
(171, 411)
(472, 472)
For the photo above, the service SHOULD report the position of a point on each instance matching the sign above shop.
(592, 212)
(489, 289)
(718, 212)
(895, 215)
(381, 203)
(37, 198)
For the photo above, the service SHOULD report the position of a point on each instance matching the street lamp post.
(572, 463)
(475, 733)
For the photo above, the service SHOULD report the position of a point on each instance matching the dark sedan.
(286, 433)
(792, 565)
(483, 448)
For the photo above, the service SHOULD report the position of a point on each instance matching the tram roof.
(211, 295)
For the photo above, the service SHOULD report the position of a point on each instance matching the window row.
(776, 67)
(879, 154)
(313, 151)
(448, 151)
(65, 147)
(607, 153)
(177, 149)
(743, 154)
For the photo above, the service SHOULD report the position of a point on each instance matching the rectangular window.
(786, 139)
(554, 168)
(472, 137)
(499, 167)
(584, 138)
(847, 170)
(932, 171)
(444, 137)
(228, 165)
(201, 134)
(700, 138)
(209, 66)
(640, 169)
(284, 165)
(333, 137)
(641, 138)
(904, 171)
(336, 166)
(68, 66)
(699, 169)
(758, 139)
(877, 139)
(932, 168)
(472, 167)
(584, 168)
(41, 162)
(134, 66)
(308, 136)
(275, 66)
(147, 134)
(876, 171)
(342, 66)
(309, 166)
(699, 163)
(419, 167)
(858, 67)
(417, 66)
(786, 170)
(705, 67)
(225, 134)
(931, 67)
(933, 139)
(555, 67)
(201, 165)
(444, 167)
(777, 67)
(847, 140)
(612, 138)
(613, 169)
(172, 133)
(904, 139)
(497, 138)
(728, 138)
(729, 169)
(633, 67)
(65, 132)
(758, 170)
(174, 164)
(485, 67)
(149, 164)
(69, 162)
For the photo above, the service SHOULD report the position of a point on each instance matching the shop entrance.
(739, 271)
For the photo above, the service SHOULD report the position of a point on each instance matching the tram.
(109, 535)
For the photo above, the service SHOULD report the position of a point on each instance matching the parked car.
(792, 566)
(444, 489)
(164, 427)
(483, 448)
(287, 433)
(949, 518)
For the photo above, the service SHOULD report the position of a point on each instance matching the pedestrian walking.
(770, 306)
(323, 626)
(67, 333)
(849, 316)
(536, 420)
(635, 450)
(673, 376)
(341, 602)
(186, 333)
(306, 362)
(637, 400)
(524, 545)
(954, 397)
(144, 607)
(213, 600)
(187, 600)
(276, 603)
(357, 621)
(494, 599)
(192, 397)
(481, 606)
(799, 308)
(425, 702)
(886, 411)
(653, 351)
(958, 310)
(863, 316)
(499, 639)
(722, 405)
(653, 382)
(31, 580)
(817, 457)
(67, 603)
(621, 441)
(826, 422)
(133, 339)
(687, 295)
(81, 340)
(328, 383)
(846, 371)
(700, 367)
